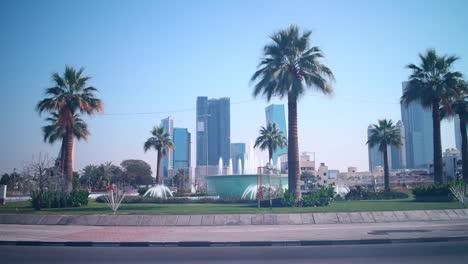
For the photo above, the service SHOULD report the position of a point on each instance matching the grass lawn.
(338, 206)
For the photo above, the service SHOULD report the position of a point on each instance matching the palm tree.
(161, 142)
(289, 66)
(458, 105)
(385, 134)
(69, 96)
(54, 132)
(432, 84)
(270, 138)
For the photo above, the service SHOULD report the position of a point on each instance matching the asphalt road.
(428, 252)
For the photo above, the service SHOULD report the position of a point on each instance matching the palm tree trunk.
(158, 166)
(294, 179)
(62, 157)
(386, 172)
(270, 155)
(438, 165)
(464, 150)
(69, 160)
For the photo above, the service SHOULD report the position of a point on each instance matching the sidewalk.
(237, 219)
(262, 235)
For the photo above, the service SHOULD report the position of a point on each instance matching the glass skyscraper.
(398, 154)
(182, 148)
(167, 161)
(238, 154)
(213, 130)
(275, 114)
(458, 140)
(418, 134)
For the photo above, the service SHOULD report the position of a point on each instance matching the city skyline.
(137, 68)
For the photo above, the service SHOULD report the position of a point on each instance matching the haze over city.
(153, 59)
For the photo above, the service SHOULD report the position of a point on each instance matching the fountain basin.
(233, 186)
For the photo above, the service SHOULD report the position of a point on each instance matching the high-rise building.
(167, 161)
(275, 114)
(458, 140)
(238, 155)
(375, 155)
(213, 131)
(182, 148)
(398, 154)
(417, 123)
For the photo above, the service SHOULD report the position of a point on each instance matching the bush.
(58, 199)
(433, 193)
(360, 193)
(288, 199)
(142, 191)
(320, 197)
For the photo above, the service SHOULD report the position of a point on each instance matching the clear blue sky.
(157, 56)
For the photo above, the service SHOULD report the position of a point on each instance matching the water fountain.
(159, 191)
(220, 166)
(229, 169)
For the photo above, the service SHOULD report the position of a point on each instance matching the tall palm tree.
(432, 84)
(70, 96)
(458, 105)
(53, 132)
(289, 66)
(385, 134)
(270, 138)
(162, 143)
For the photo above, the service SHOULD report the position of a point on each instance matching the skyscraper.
(238, 155)
(182, 148)
(213, 131)
(417, 122)
(275, 114)
(398, 154)
(168, 160)
(458, 140)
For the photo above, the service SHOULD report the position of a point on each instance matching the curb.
(236, 244)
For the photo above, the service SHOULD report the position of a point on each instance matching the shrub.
(288, 199)
(360, 193)
(58, 199)
(433, 193)
(320, 197)
(142, 191)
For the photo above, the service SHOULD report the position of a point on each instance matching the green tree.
(136, 172)
(289, 66)
(53, 132)
(458, 105)
(385, 134)
(161, 142)
(69, 96)
(431, 83)
(270, 138)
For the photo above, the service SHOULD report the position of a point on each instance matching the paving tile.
(437, 215)
(356, 218)
(50, 220)
(451, 213)
(232, 219)
(183, 220)
(343, 218)
(282, 219)
(417, 215)
(170, 220)
(129, 220)
(367, 217)
(307, 219)
(383, 217)
(195, 220)
(245, 219)
(295, 219)
(258, 219)
(208, 220)
(270, 219)
(220, 219)
(401, 216)
(325, 218)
